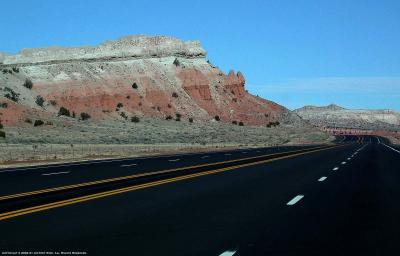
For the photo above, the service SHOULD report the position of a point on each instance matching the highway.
(339, 199)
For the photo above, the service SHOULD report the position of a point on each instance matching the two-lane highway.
(319, 200)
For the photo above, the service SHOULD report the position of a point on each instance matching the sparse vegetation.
(120, 105)
(27, 120)
(39, 100)
(241, 124)
(217, 118)
(85, 116)
(28, 83)
(234, 122)
(272, 124)
(175, 95)
(190, 120)
(176, 62)
(73, 114)
(11, 94)
(64, 112)
(53, 102)
(128, 97)
(134, 86)
(49, 123)
(2, 134)
(135, 119)
(1, 126)
(3, 105)
(169, 117)
(38, 123)
(122, 114)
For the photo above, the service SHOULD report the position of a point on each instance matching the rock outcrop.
(134, 76)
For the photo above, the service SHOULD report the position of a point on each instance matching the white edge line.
(391, 148)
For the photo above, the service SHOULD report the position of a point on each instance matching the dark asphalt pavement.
(336, 201)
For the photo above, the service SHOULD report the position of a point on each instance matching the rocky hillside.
(135, 76)
(338, 117)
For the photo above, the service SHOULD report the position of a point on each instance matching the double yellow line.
(66, 202)
(98, 182)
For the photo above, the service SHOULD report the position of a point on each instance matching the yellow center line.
(97, 182)
(66, 202)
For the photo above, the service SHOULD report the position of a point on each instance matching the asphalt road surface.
(340, 199)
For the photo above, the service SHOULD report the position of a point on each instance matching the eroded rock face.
(136, 75)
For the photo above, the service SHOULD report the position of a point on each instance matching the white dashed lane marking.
(295, 200)
(343, 162)
(54, 173)
(127, 165)
(322, 178)
(336, 168)
(228, 253)
(174, 160)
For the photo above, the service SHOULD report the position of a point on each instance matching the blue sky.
(293, 52)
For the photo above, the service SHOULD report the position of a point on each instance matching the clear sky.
(290, 51)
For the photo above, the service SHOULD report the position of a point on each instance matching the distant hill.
(336, 116)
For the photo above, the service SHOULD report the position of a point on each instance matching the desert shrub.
(38, 123)
(28, 83)
(178, 115)
(5, 71)
(73, 114)
(176, 62)
(134, 86)
(85, 116)
(64, 112)
(15, 69)
(190, 120)
(234, 122)
(135, 119)
(217, 118)
(169, 117)
(27, 120)
(3, 105)
(53, 102)
(241, 124)
(273, 124)
(175, 95)
(49, 123)
(120, 105)
(39, 100)
(1, 126)
(11, 94)
(122, 114)
(2, 134)
(128, 97)
(169, 105)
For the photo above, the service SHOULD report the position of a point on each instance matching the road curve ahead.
(314, 200)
